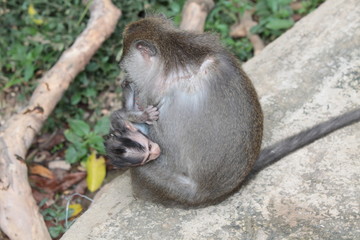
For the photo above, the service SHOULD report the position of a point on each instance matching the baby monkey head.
(130, 149)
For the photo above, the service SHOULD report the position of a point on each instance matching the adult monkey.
(210, 124)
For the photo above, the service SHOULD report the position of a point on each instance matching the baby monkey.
(127, 144)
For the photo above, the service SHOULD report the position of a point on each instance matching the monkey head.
(154, 45)
(129, 147)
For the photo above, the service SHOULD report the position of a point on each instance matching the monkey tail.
(274, 153)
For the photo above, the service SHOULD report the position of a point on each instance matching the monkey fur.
(127, 145)
(210, 124)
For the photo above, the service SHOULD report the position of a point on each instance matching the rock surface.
(308, 75)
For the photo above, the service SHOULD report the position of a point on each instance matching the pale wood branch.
(19, 214)
(194, 15)
(243, 30)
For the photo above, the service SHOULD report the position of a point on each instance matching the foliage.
(83, 140)
(56, 215)
(309, 5)
(33, 43)
(222, 17)
(275, 17)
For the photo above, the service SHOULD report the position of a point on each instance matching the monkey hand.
(151, 114)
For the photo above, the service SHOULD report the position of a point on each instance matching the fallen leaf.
(96, 171)
(42, 184)
(49, 141)
(39, 196)
(71, 179)
(77, 208)
(41, 171)
(55, 185)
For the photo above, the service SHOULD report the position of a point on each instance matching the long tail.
(274, 153)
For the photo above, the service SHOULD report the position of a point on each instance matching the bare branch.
(19, 214)
(194, 14)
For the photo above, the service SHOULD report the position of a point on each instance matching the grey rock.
(308, 75)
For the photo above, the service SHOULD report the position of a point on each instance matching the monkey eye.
(150, 146)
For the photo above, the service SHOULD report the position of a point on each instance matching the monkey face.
(130, 149)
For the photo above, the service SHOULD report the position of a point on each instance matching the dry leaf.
(71, 179)
(41, 171)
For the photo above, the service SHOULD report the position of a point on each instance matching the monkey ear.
(146, 48)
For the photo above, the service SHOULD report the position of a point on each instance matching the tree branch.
(194, 15)
(243, 30)
(19, 214)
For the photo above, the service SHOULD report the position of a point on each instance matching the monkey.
(127, 144)
(210, 125)
(131, 112)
